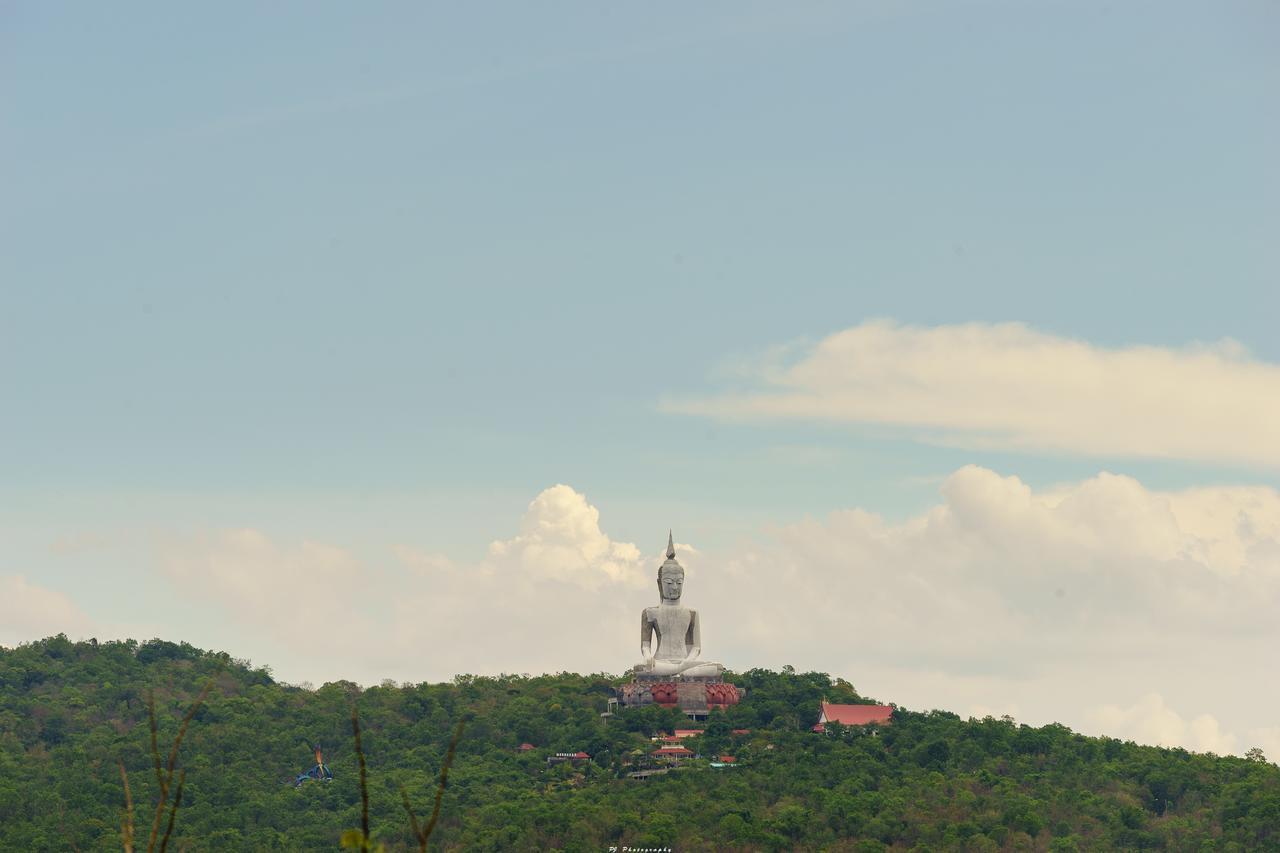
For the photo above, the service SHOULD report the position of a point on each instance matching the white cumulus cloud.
(560, 539)
(1012, 387)
(1056, 602)
(1000, 576)
(1151, 721)
(553, 596)
(29, 611)
(309, 595)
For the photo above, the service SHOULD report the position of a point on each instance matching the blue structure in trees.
(319, 773)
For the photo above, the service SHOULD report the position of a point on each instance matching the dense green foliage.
(70, 711)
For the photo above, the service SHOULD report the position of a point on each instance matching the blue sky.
(379, 276)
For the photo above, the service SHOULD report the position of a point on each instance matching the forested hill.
(70, 712)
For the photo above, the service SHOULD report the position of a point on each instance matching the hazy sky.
(945, 336)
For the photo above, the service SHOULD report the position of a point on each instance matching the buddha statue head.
(670, 575)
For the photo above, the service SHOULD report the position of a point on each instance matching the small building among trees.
(672, 754)
(853, 715)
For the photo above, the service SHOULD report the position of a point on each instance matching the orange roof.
(672, 750)
(727, 759)
(854, 715)
(688, 732)
(525, 747)
(581, 755)
(741, 731)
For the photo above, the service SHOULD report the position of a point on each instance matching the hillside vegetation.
(69, 712)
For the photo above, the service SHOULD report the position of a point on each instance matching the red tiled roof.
(741, 731)
(525, 747)
(688, 732)
(727, 759)
(854, 715)
(581, 755)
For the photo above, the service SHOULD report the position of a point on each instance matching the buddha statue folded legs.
(686, 669)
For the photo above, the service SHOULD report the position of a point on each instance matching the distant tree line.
(71, 713)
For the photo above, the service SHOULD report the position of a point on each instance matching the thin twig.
(173, 812)
(160, 780)
(126, 831)
(444, 780)
(413, 818)
(155, 750)
(364, 788)
(186, 721)
(165, 779)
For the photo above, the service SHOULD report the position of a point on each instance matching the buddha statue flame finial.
(671, 566)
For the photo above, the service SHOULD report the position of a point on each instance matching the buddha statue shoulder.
(671, 634)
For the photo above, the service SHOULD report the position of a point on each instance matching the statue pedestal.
(697, 697)
(650, 678)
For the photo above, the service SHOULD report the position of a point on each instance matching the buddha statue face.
(670, 583)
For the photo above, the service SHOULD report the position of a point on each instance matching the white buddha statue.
(678, 631)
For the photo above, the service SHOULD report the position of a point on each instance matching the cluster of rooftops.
(669, 745)
(672, 750)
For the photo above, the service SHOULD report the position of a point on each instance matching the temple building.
(853, 715)
(672, 672)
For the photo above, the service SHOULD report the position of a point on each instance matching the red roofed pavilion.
(853, 715)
